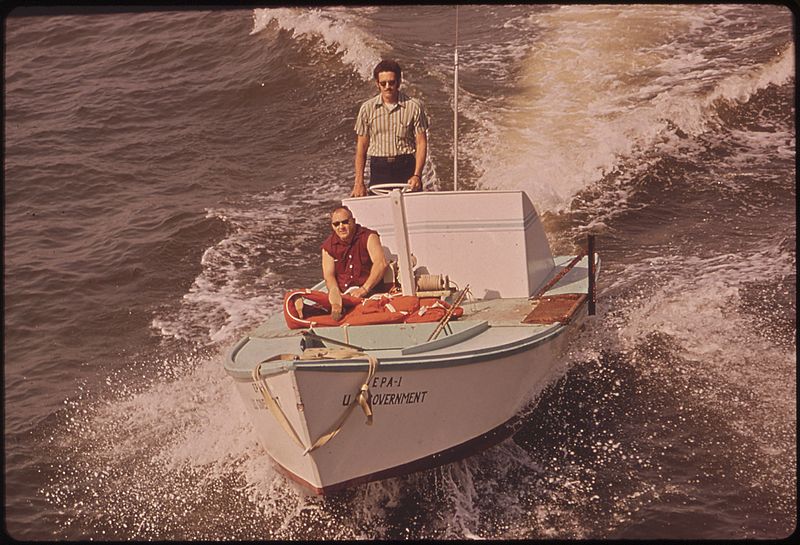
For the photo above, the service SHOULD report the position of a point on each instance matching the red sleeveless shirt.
(351, 259)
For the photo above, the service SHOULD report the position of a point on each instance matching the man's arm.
(419, 164)
(359, 188)
(334, 294)
(378, 266)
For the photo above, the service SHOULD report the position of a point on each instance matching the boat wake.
(244, 276)
(718, 321)
(582, 112)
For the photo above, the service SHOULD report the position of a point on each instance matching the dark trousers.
(391, 170)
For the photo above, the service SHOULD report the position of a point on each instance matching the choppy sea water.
(167, 175)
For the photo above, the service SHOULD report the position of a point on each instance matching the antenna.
(455, 111)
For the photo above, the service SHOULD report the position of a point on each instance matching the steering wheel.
(385, 189)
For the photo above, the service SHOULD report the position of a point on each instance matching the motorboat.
(340, 403)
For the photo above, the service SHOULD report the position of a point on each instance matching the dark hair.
(388, 65)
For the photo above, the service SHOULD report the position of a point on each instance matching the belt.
(390, 158)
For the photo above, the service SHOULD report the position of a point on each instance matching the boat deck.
(496, 312)
(485, 324)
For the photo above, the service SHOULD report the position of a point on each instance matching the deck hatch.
(555, 308)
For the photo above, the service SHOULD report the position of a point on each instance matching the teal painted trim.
(231, 355)
(267, 369)
(448, 340)
(403, 363)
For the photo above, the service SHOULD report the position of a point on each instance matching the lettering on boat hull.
(399, 398)
(388, 382)
(389, 398)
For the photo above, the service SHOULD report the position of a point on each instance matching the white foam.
(698, 306)
(220, 301)
(740, 87)
(236, 288)
(603, 85)
(148, 455)
(338, 28)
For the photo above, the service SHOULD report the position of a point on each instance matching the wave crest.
(338, 29)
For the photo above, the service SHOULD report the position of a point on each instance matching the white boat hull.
(435, 400)
(424, 415)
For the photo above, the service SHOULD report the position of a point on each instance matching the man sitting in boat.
(353, 261)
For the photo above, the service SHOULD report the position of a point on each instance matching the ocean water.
(167, 175)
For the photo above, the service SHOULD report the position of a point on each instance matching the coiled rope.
(431, 282)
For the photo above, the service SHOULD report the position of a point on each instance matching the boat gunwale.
(403, 362)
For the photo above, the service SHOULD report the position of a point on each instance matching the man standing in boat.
(353, 261)
(392, 129)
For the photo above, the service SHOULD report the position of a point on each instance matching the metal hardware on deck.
(403, 248)
(559, 276)
(446, 318)
(437, 293)
(333, 341)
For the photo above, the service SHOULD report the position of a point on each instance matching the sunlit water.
(167, 175)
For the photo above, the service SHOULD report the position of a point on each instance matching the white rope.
(431, 282)
(270, 400)
(363, 398)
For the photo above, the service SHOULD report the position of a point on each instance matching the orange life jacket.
(381, 308)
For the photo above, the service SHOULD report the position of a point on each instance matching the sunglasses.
(338, 223)
(388, 83)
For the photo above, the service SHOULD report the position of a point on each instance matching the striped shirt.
(391, 133)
